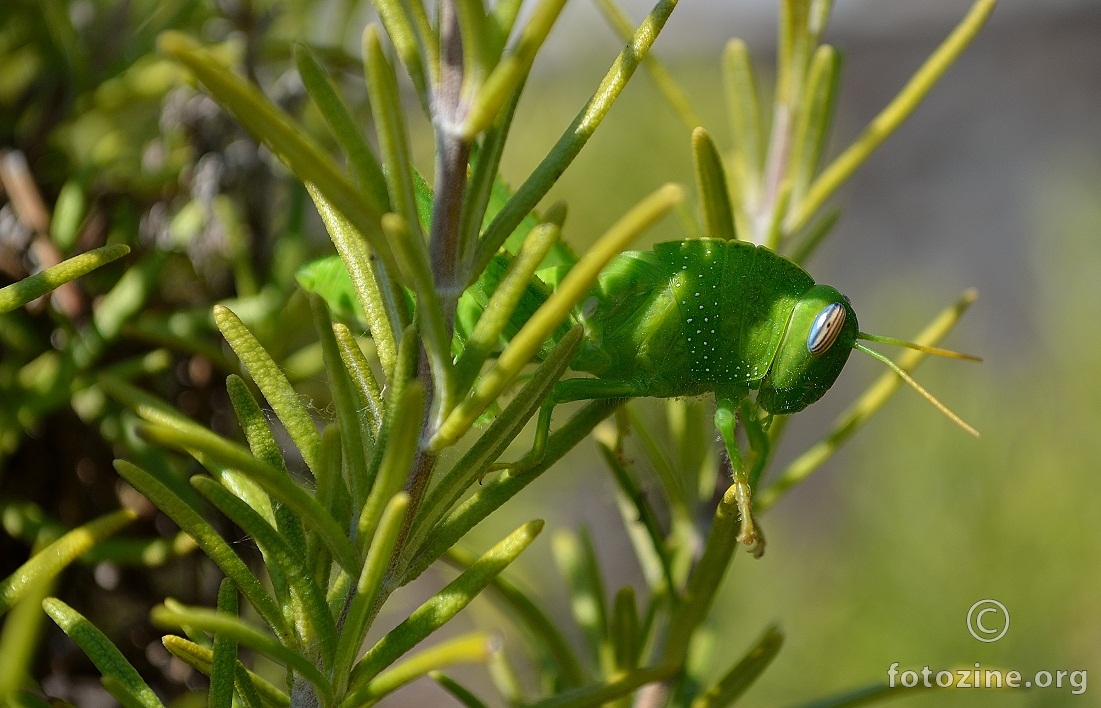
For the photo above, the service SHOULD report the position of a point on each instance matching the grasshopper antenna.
(914, 345)
(910, 380)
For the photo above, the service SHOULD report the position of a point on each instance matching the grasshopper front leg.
(725, 423)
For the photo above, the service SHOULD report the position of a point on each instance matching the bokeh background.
(994, 183)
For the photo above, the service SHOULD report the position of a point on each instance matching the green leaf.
(69, 211)
(385, 481)
(722, 541)
(201, 619)
(743, 105)
(261, 442)
(328, 278)
(391, 127)
(718, 218)
(643, 514)
(561, 254)
(380, 301)
(245, 683)
(505, 679)
(541, 630)
(459, 692)
(742, 675)
(208, 539)
(474, 31)
(673, 481)
(793, 53)
(279, 393)
(315, 626)
(413, 257)
(20, 641)
(348, 405)
(250, 687)
(502, 19)
(107, 658)
(35, 286)
(126, 298)
(575, 137)
(333, 495)
(484, 184)
(439, 609)
(666, 84)
(173, 429)
(491, 443)
(408, 40)
(120, 693)
(893, 115)
(813, 126)
(286, 139)
(489, 498)
(617, 686)
(473, 648)
(877, 693)
(358, 617)
(254, 424)
(689, 429)
(51, 560)
(498, 311)
(361, 160)
(512, 70)
(362, 375)
(624, 629)
(224, 662)
(401, 446)
(577, 562)
(147, 552)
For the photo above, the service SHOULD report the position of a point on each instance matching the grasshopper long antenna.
(914, 345)
(909, 379)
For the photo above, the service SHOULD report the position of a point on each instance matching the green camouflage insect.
(713, 316)
(690, 317)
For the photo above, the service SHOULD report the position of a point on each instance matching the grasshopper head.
(816, 344)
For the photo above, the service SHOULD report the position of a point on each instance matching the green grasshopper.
(686, 318)
(713, 316)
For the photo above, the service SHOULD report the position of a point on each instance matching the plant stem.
(452, 155)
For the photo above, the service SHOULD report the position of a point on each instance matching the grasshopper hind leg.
(568, 391)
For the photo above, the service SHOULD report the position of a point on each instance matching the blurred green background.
(994, 183)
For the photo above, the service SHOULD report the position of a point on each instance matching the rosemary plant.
(415, 370)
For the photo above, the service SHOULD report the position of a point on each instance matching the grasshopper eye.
(825, 329)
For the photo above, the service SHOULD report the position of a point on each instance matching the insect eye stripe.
(827, 326)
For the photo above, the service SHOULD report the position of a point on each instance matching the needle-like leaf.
(105, 655)
(438, 610)
(35, 286)
(51, 560)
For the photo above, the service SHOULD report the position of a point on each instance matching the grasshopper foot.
(750, 533)
(753, 538)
